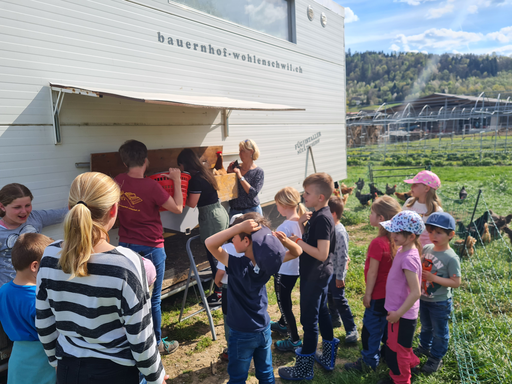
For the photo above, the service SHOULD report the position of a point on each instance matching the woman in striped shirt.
(93, 310)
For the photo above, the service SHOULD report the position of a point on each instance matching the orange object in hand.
(426, 266)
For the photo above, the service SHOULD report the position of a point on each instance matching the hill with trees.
(377, 77)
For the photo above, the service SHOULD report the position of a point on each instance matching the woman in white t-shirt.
(424, 200)
(288, 205)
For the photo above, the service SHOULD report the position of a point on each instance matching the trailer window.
(269, 16)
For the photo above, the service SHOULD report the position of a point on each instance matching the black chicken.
(374, 189)
(472, 228)
(364, 199)
(360, 184)
(462, 193)
(390, 190)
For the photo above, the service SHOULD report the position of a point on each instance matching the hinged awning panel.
(193, 101)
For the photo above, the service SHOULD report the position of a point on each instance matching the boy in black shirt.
(318, 243)
(247, 317)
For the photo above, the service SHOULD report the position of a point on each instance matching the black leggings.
(213, 265)
(283, 285)
(100, 371)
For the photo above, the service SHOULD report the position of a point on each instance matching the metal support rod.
(226, 113)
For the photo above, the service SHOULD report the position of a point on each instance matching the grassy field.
(481, 345)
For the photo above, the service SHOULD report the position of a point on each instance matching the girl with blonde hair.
(288, 205)
(93, 310)
(250, 180)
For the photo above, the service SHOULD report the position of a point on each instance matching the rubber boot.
(327, 358)
(303, 369)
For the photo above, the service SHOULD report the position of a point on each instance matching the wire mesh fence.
(481, 319)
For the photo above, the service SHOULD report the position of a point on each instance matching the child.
(424, 200)
(28, 362)
(93, 310)
(402, 295)
(339, 262)
(17, 217)
(221, 280)
(441, 273)
(376, 268)
(318, 243)
(288, 205)
(248, 319)
(140, 227)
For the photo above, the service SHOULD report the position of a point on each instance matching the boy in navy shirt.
(247, 317)
(318, 243)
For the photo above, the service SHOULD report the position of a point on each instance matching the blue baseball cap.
(268, 251)
(442, 220)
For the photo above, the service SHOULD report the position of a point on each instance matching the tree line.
(378, 77)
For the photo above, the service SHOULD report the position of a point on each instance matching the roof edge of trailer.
(332, 6)
(193, 101)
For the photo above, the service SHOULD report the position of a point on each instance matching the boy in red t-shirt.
(140, 227)
(376, 269)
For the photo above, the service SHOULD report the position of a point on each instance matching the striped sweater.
(106, 315)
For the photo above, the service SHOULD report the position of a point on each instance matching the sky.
(433, 26)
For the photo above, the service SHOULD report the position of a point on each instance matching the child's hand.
(281, 236)
(427, 275)
(305, 217)
(249, 226)
(393, 317)
(367, 299)
(340, 283)
(174, 174)
(294, 238)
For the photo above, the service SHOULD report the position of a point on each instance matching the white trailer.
(80, 77)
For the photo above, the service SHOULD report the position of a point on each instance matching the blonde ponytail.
(91, 197)
(289, 197)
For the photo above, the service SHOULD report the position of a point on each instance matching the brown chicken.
(486, 235)
(468, 249)
(218, 168)
(508, 231)
(345, 198)
(346, 190)
(403, 196)
(500, 221)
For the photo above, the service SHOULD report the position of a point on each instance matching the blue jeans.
(314, 313)
(374, 327)
(245, 346)
(157, 257)
(341, 303)
(435, 334)
(233, 212)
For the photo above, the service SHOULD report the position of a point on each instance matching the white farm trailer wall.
(125, 45)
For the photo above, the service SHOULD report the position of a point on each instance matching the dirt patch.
(361, 234)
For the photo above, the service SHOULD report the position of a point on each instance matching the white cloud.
(472, 9)
(412, 2)
(504, 35)
(394, 48)
(350, 16)
(503, 50)
(435, 13)
(266, 14)
(438, 39)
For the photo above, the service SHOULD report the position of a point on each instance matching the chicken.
(218, 168)
(374, 189)
(390, 190)
(500, 221)
(375, 196)
(364, 199)
(336, 191)
(360, 184)
(403, 196)
(462, 193)
(486, 235)
(476, 225)
(347, 190)
(467, 249)
(345, 198)
(508, 231)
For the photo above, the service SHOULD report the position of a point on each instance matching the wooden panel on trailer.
(160, 160)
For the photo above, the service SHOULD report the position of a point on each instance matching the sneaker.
(420, 351)
(167, 347)
(214, 299)
(415, 370)
(432, 365)
(276, 327)
(355, 366)
(352, 337)
(224, 355)
(336, 323)
(287, 345)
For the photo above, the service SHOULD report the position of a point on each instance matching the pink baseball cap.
(425, 177)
